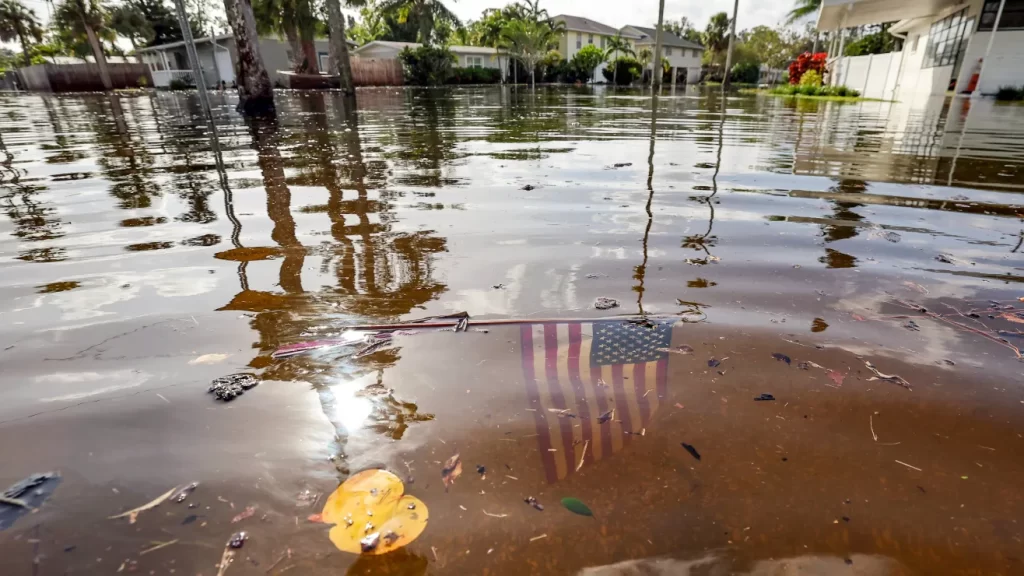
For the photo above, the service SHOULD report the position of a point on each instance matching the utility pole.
(193, 57)
(339, 46)
(732, 39)
(658, 71)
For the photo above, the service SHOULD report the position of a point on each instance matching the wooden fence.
(83, 77)
(376, 72)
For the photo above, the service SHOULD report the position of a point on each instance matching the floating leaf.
(837, 377)
(782, 358)
(575, 506)
(693, 451)
(1012, 317)
(372, 514)
(714, 363)
(765, 398)
(606, 416)
(451, 471)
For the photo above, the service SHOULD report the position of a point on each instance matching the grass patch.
(826, 96)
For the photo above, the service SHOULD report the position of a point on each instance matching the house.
(467, 56)
(218, 58)
(683, 56)
(944, 44)
(580, 32)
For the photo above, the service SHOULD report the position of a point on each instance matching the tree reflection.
(842, 212)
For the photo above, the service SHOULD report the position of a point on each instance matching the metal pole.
(193, 57)
(732, 38)
(658, 71)
(988, 50)
(213, 43)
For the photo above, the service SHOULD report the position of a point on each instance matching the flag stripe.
(533, 397)
(575, 439)
(582, 401)
(622, 411)
(639, 391)
(651, 379)
(557, 398)
(662, 378)
(594, 394)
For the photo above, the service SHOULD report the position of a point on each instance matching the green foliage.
(576, 506)
(880, 42)
(528, 41)
(624, 70)
(587, 59)
(427, 14)
(802, 9)
(745, 73)
(427, 65)
(1010, 94)
(178, 84)
(129, 22)
(19, 24)
(376, 24)
(716, 36)
(811, 78)
(815, 90)
(475, 76)
(162, 22)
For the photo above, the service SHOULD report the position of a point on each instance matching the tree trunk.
(339, 47)
(291, 34)
(307, 34)
(533, 81)
(97, 53)
(255, 93)
(310, 56)
(24, 47)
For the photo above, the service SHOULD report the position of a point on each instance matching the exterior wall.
(379, 51)
(874, 76)
(679, 58)
(1005, 64)
(489, 60)
(83, 77)
(275, 56)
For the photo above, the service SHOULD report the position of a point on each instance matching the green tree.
(617, 45)
(279, 17)
(770, 46)
(802, 9)
(716, 35)
(528, 42)
(161, 20)
(129, 22)
(586, 60)
(877, 42)
(425, 13)
(19, 23)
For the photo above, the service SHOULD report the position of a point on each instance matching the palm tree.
(645, 56)
(85, 18)
(716, 35)
(529, 42)
(424, 12)
(617, 44)
(803, 8)
(255, 92)
(339, 46)
(19, 23)
(278, 17)
(129, 22)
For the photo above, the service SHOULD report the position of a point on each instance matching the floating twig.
(158, 546)
(895, 378)
(133, 514)
(909, 466)
(538, 537)
(871, 422)
(583, 455)
(486, 513)
(14, 502)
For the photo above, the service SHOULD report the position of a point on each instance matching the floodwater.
(773, 247)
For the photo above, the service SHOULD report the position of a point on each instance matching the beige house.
(580, 32)
(683, 56)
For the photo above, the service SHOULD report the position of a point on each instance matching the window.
(696, 53)
(590, 39)
(947, 39)
(579, 40)
(668, 50)
(604, 42)
(474, 61)
(913, 45)
(1012, 19)
(324, 59)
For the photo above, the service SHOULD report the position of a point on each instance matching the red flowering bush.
(805, 62)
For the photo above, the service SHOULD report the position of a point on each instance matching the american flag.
(585, 369)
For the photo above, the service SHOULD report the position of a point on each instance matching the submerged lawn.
(806, 97)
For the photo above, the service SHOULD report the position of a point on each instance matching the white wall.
(1005, 64)
(679, 58)
(874, 76)
(488, 60)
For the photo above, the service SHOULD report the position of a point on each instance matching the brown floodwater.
(760, 246)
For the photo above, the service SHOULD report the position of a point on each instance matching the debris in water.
(486, 513)
(184, 492)
(681, 349)
(451, 471)
(158, 546)
(482, 471)
(714, 363)
(944, 259)
(583, 455)
(229, 387)
(189, 519)
(533, 502)
(238, 540)
(370, 348)
(836, 377)
(248, 512)
(606, 416)
(781, 358)
(538, 537)
(912, 326)
(373, 502)
(209, 359)
(576, 506)
(804, 366)
(886, 377)
(347, 338)
(621, 164)
(528, 187)
(909, 466)
(25, 496)
(693, 451)
(765, 398)
(603, 303)
(498, 286)
(133, 514)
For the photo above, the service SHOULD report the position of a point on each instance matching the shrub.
(624, 69)
(583, 63)
(806, 62)
(178, 84)
(1010, 93)
(427, 65)
(810, 78)
(812, 90)
(475, 76)
(745, 72)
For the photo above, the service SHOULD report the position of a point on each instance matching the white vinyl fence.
(874, 76)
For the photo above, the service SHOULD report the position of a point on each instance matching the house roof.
(204, 40)
(403, 45)
(647, 35)
(581, 24)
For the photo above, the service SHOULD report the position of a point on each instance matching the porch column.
(988, 50)
(837, 76)
(163, 58)
(672, 71)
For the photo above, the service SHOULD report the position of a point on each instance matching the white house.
(217, 58)
(467, 56)
(580, 32)
(945, 43)
(683, 56)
